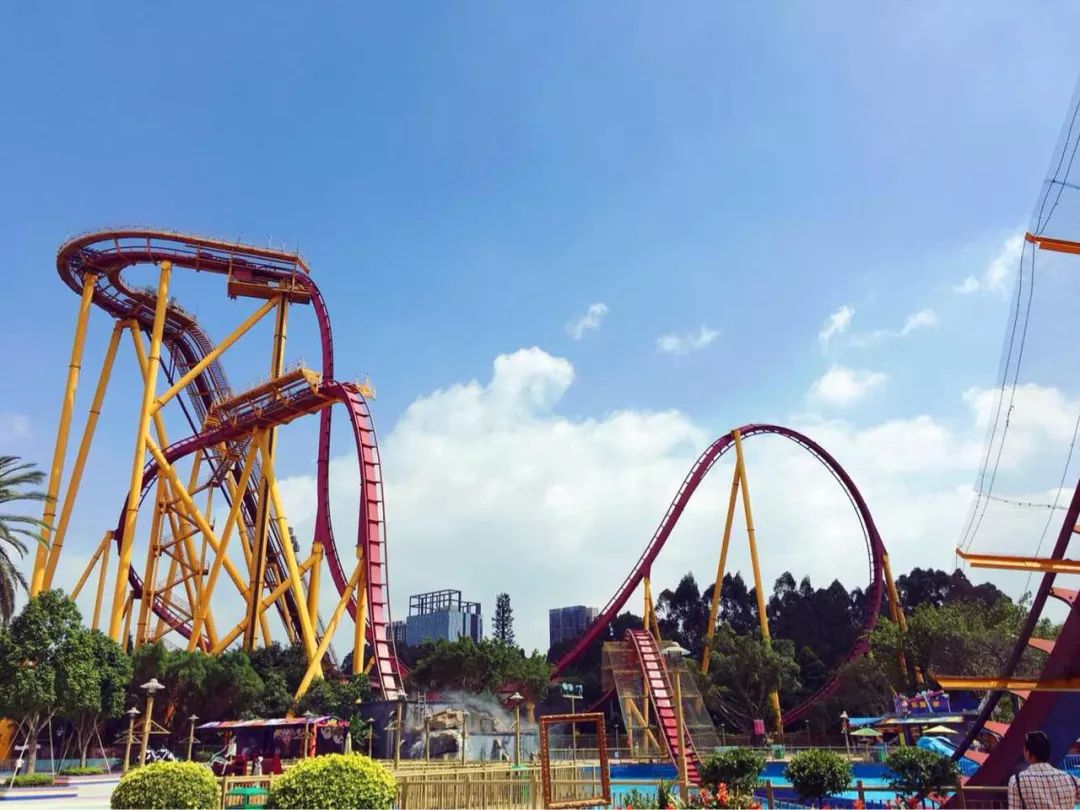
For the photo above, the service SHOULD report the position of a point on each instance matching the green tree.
(817, 774)
(738, 768)
(742, 674)
(919, 772)
(40, 657)
(339, 698)
(478, 667)
(958, 638)
(503, 626)
(14, 480)
(93, 686)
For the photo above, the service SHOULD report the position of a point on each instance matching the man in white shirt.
(1041, 784)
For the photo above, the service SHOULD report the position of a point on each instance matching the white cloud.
(836, 324)
(686, 342)
(589, 322)
(14, 427)
(922, 319)
(996, 275)
(489, 488)
(842, 386)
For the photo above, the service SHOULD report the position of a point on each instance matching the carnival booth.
(274, 740)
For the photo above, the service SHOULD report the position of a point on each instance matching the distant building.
(567, 623)
(397, 631)
(442, 615)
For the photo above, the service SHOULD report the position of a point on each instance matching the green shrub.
(334, 780)
(919, 772)
(82, 770)
(738, 768)
(31, 780)
(816, 774)
(637, 799)
(166, 784)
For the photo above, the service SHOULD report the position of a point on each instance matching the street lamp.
(151, 687)
(464, 734)
(572, 692)
(844, 730)
(401, 701)
(809, 740)
(132, 713)
(370, 734)
(308, 717)
(516, 699)
(191, 735)
(675, 653)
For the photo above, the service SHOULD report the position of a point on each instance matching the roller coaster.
(229, 454)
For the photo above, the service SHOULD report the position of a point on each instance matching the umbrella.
(866, 732)
(939, 730)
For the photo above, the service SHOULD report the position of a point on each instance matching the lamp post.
(308, 717)
(370, 734)
(809, 740)
(516, 698)
(191, 735)
(674, 653)
(427, 736)
(723, 740)
(132, 713)
(151, 687)
(844, 730)
(402, 698)
(464, 735)
(572, 692)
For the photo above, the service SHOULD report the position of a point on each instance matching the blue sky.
(467, 179)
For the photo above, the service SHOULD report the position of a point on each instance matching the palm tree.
(14, 478)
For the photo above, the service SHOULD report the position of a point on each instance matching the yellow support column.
(101, 580)
(313, 583)
(361, 622)
(315, 662)
(153, 553)
(41, 557)
(80, 459)
(307, 631)
(131, 513)
(90, 566)
(714, 608)
(763, 617)
(262, 518)
(203, 607)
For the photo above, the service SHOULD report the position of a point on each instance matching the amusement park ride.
(173, 560)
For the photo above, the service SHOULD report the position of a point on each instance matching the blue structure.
(567, 623)
(442, 615)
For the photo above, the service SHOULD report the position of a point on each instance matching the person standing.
(1041, 784)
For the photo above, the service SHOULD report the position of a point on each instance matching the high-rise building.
(397, 631)
(567, 623)
(442, 615)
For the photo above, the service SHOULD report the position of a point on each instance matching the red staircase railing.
(655, 674)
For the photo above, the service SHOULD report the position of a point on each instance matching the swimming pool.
(642, 776)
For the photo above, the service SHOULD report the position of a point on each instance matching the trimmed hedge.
(30, 780)
(738, 768)
(919, 772)
(166, 785)
(816, 774)
(79, 770)
(333, 781)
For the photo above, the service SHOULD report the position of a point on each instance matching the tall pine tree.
(503, 627)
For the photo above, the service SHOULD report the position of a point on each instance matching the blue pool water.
(643, 777)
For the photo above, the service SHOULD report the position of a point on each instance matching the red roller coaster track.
(874, 546)
(106, 254)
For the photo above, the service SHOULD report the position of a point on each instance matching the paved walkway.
(91, 797)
